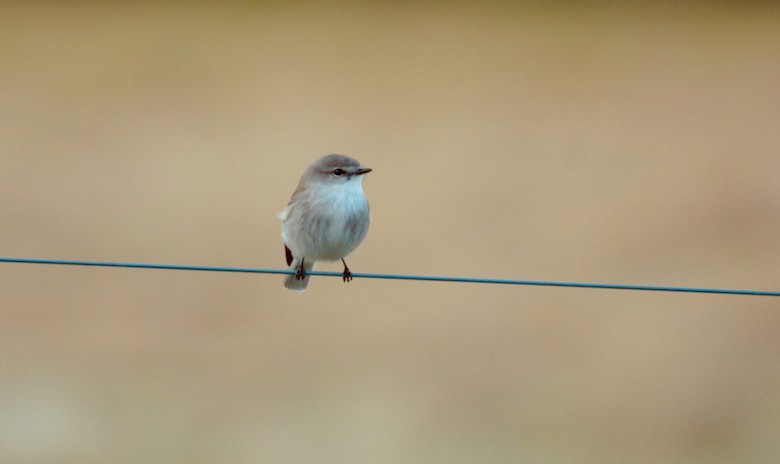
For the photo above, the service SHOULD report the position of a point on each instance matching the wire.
(545, 283)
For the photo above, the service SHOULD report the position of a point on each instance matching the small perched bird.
(326, 218)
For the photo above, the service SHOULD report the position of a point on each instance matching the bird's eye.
(338, 172)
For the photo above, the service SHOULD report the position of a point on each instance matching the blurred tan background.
(627, 144)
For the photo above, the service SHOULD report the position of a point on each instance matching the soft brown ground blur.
(609, 144)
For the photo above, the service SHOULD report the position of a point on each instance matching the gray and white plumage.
(327, 217)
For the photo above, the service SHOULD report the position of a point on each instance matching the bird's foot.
(300, 273)
(347, 274)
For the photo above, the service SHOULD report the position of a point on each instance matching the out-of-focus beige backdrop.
(628, 144)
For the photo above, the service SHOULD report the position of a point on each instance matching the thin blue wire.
(545, 283)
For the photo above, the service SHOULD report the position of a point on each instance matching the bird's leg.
(300, 273)
(347, 274)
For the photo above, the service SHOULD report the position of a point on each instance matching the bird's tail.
(298, 285)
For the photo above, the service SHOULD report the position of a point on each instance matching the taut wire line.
(475, 280)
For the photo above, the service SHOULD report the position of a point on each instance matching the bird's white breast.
(327, 222)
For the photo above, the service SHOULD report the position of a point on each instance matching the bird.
(326, 219)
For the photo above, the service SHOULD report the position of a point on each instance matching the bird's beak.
(362, 171)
